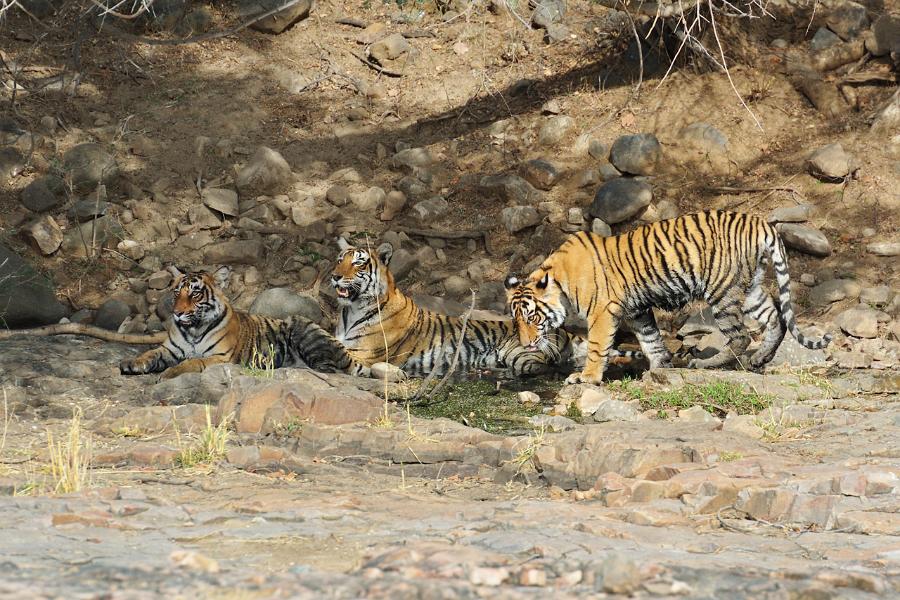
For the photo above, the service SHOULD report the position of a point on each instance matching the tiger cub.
(719, 257)
(205, 330)
(379, 323)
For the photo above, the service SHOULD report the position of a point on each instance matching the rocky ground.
(474, 144)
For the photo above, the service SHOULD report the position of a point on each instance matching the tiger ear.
(343, 244)
(385, 252)
(512, 282)
(221, 276)
(543, 281)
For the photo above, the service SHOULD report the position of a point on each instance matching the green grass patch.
(718, 398)
(483, 405)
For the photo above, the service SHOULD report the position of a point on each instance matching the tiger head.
(537, 307)
(360, 274)
(197, 297)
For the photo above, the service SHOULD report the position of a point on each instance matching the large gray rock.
(859, 321)
(834, 290)
(824, 38)
(90, 237)
(517, 218)
(265, 173)
(804, 238)
(389, 49)
(886, 36)
(44, 193)
(884, 248)
(44, 234)
(540, 173)
(555, 129)
(222, 200)
(637, 154)
(281, 303)
(278, 22)
(510, 188)
(620, 199)
(847, 19)
(89, 164)
(26, 298)
(11, 162)
(111, 314)
(548, 12)
(427, 211)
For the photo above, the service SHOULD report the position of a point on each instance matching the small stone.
(790, 214)
(858, 322)
(616, 410)
(552, 422)
(267, 172)
(834, 290)
(885, 37)
(159, 280)
(87, 209)
(637, 154)
(132, 249)
(703, 138)
(338, 195)
(369, 201)
(745, 425)
(540, 173)
(278, 22)
(884, 248)
(428, 211)
(619, 575)
(387, 372)
(488, 576)
(44, 193)
(555, 129)
(281, 303)
(574, 216)
(824, 38)
(526, 397)
(412, 158)
(591, 399)
(517, 218)
(551, 107)
(390, 48)
(533, 577)
(808, 279)
(248, 252)
(222, 200)
(112, 314)
(202, 217)
(600, 227)
(44, 234)
(804, 238)
(780, 43)
(598, 150)
(696, 414)
(830, 163)
(394, 202)
(548, 12)
(620, 199)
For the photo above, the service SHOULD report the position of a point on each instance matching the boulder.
(86, 165)
(44, 193)
(637, 154)
(265, 173)
(804, 238)
(281, 303)
(27, 299)
(620, 199)
(517, 218)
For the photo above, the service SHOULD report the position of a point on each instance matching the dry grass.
(209, 447)
(70, 459)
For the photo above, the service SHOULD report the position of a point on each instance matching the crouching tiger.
(719, 257)
(204, 330)
(379, 323)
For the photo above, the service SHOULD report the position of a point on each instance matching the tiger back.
(205, 329)
(717, 256)
(379, 323)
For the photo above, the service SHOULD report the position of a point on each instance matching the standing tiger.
(205, 330)
(717, 256)
(379, 323)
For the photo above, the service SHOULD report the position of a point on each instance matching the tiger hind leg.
(649, 337)
(320, 350)
(729, 318)
(761, 307)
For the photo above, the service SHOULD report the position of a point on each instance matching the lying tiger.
(719, 257)
(205, 330)
(379, 323)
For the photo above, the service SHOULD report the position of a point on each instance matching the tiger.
(379, 323)
(205, 330)
(716, 256)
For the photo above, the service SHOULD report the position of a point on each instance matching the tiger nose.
(336, 278)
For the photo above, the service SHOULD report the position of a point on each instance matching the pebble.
(847, 19)
(884, 248)
(600, 227)
(834, 290)
(428, 211)
(616, 410)
(790, 214)
(804, 238)
(878, 296)
(517, 218)
(859, 322)
(44, 234)
(555, 129)
(44, 193)
(222, 200)
(540, 173)
(830, 163)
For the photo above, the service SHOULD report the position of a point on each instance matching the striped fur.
(205, 330)
(419, 341)
(718, 257)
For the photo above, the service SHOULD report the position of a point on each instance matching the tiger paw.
(181, 369)
(583, 378)
(128, 366)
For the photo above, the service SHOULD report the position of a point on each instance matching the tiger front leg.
(152, 361)
(193, 365)
(601, 331)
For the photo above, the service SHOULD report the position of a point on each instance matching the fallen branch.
(88, 330)
(372, 65)
(868, 77)
(471, 234)
(750, 190)
(351, 22)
